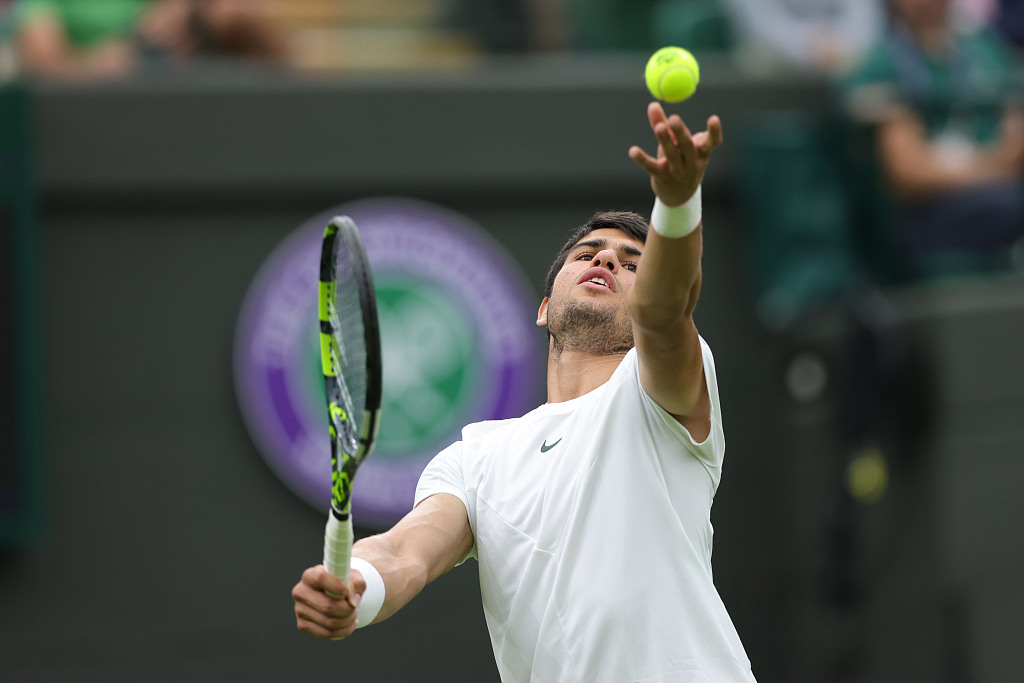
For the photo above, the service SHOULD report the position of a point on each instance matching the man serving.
(590, 515)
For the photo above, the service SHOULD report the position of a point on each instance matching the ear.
(542, 313)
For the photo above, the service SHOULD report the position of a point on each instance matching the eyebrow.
(599, 243)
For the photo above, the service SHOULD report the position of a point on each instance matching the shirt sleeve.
(445, 474)
(710, 451)
(27, 11)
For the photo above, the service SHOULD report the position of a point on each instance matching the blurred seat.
(333, 35)
(697, 25)
(794, 213)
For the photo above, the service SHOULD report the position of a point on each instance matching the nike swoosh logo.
(545, 447)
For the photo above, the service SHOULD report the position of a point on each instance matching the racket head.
(350, 355)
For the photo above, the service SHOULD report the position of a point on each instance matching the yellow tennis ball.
(672, 74)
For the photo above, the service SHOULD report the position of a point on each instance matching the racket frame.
(347, 453)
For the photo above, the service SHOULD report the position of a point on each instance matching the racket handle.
(338, 538)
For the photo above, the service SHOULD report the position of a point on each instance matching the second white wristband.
(677, 221)
(373, 596)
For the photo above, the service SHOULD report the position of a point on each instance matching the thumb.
(358, 587)
(332, 585)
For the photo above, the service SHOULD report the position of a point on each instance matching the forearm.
(43, 47)
(918, 168)
(421, 547)
(667, 285)
(662, 302)
(930, 174)
(404, 577)
(667, 282)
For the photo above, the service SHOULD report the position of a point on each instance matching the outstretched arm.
(668, 280)
(45, 50)
(918, 168)
(425, 544)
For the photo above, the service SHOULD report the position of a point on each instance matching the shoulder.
(870, 89)
(488, 429)
(476, 438)
(990, 50)
(877, 63)
(27, 10)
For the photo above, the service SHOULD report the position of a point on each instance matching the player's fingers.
(317, 631)
(684, 140)
(318, 625)
(668, 147)
(655, 114)
(358, 587)
(357, 582)
(323, 610)
(322, 579)
(325, 593)
(644, 160)
(305, 591)
(708, 140)
(714, 137)
(317, 612)
(334, 613)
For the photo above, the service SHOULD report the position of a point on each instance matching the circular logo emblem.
(457, 335)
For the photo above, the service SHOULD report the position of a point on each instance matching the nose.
(607, 258)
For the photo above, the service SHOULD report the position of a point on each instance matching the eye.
(584, 256)
(629, 266)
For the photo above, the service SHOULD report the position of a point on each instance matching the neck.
(932, 34)
(572, 374)
(934, 40)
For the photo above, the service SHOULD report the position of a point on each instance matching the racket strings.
(345, 424)
(350, 364)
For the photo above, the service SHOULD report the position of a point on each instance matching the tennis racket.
(350, 356)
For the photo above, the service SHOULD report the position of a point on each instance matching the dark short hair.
(632, 224)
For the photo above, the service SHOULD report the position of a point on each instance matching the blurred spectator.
(8, 55)
(823, 35)
(511, 25)
(1009, 18)
(699, 25)
(110, 38)
(611, 24)
(948, 132)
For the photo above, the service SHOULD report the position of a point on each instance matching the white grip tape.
(338, 538)
(676, 221)
(373, 596)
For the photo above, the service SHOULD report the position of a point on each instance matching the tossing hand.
(682, 156)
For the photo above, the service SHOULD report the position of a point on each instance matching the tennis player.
(590, 515)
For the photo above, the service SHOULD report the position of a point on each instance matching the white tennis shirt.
(593, 535)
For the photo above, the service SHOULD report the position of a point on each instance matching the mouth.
(597, 278)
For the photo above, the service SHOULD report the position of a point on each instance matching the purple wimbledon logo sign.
(458, 340)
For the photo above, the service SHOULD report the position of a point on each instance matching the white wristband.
(373, 597)
(676, 221)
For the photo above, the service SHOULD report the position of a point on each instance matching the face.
(587, 307)
(922, 13)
